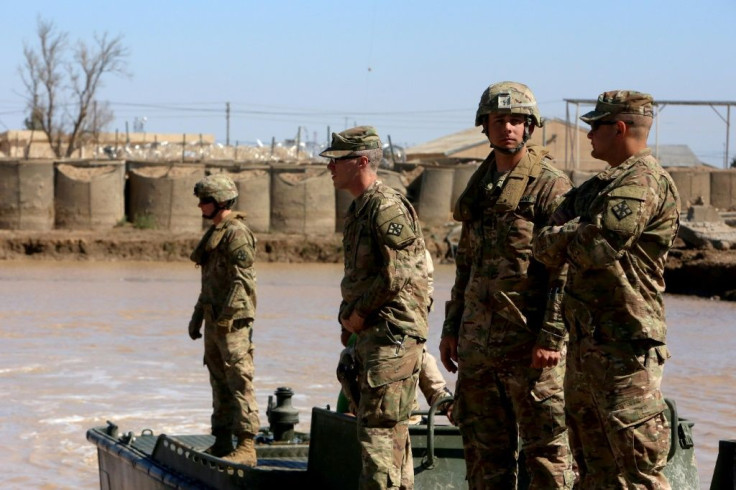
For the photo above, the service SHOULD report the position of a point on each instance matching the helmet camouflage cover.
(219, 187)
(508, 98)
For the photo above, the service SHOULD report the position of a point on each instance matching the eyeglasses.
(597, 124)
(343, 159)
(206, 200)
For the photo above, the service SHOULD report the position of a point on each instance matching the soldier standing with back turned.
(385, 301)
(503, 332)
(227, 304)
(614, 231)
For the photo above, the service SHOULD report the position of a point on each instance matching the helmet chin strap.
(517, 148)
(214, 213)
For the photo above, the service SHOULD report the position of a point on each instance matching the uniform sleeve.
(455, 306)
(240, 245)
(553, 332)
(551, 240)
(626, 212)
(393, 229)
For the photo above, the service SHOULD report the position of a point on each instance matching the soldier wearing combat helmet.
(385, 302)
(503, 331)
(614, 232)
(227, 304)
(509, 98)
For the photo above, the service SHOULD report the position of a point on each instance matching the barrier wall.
(693, 185)
(89, 195)
(460, 181)
(254, 195)
(723, 189)
(302, 200)
(165, 195)
(435, 196)
(27, 195)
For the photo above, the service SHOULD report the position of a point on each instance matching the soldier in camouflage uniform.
(227, 304)
(385, 302)
(614, 232)
(503, 331)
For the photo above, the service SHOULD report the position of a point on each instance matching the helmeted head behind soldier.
(219, 188)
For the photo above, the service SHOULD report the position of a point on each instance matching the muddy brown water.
(83, 343)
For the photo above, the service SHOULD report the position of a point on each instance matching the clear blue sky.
(414, 69)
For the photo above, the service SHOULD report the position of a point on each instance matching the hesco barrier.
(302, 200)
(460, 180)
(163, 197)
(723, 189)
(254, 194)
(27, 195)
(89, 195)
(692, 185)
(435, 196)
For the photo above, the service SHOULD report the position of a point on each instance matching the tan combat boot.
(223, 444)
(245, 452)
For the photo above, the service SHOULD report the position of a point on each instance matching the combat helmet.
(218, 187)
(508, 98)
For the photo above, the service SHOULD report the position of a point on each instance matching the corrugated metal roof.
(676, 156)
(452, 143)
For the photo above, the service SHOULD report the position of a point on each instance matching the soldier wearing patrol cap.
(227, 305)
(503, 331)
(615, 231)
(385, 301)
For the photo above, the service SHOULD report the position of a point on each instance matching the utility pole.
(227, 123)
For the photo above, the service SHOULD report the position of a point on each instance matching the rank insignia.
(395, 229)
(241, 256)
(621, 210)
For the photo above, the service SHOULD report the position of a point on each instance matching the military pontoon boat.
(327, 458)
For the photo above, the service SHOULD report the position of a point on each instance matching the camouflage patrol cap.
(352, 140)
(508, 98)
(219, 187)
(616, 102)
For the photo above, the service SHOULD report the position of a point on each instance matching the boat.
(327, 457)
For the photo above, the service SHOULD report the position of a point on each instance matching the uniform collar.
(359, 202)
(612, 172)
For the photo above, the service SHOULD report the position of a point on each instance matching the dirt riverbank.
(702, 272)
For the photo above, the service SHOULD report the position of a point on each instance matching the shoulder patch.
(624, 207)
(242, 249)
(394, 227)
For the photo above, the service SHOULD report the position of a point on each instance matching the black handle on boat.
(674, 424)
(428, 460)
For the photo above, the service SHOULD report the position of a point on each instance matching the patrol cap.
(352, 140)
(617, 102)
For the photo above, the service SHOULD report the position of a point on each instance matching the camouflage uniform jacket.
(226, 254)
(385, 262)
(628, 219)
(494, 253)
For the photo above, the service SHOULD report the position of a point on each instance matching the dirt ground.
(702, 272)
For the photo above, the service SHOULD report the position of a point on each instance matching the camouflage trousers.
(620, 436)
(229, 359)
(498, 402)
(388, 364)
